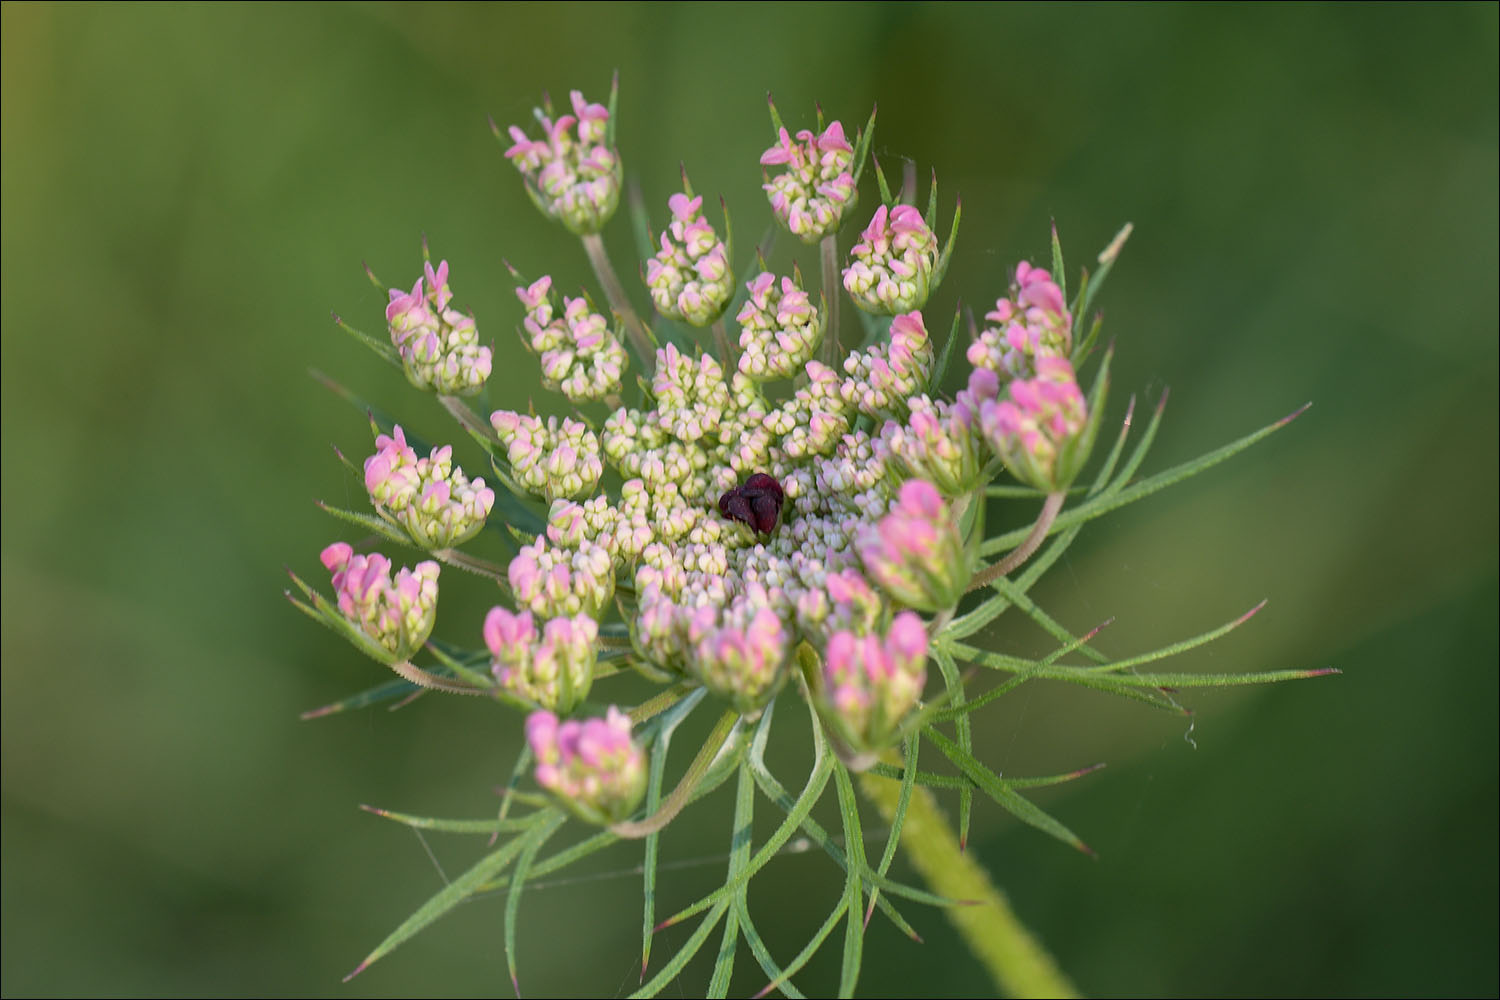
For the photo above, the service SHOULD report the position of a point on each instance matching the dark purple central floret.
(757, 502)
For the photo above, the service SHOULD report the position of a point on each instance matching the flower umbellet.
(746, 532)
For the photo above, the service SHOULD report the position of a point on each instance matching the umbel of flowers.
(574, 179)
(439, 346)
(689, 278)
(731, 527)
(581, 357)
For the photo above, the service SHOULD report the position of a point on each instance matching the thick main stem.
(1018, 555)
(635, 330)
(1016, 960)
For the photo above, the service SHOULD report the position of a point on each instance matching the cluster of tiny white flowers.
(429, 497)
(779, 328)
(438, 345)
(689, 278)
(573, 180)
(581, 357)
(549, 459)
(553, 582)
(882, 379)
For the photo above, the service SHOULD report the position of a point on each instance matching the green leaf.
(955, 686)
(739, 852)
(990, 783)
(383, 348)
(488, 826)
(1083, 678)
(935, 383)
(1107, 258)
(760, 951)
(1142, 447)
(455, 665)
(797, 812)
(370, 523)
(991, 608)
(451, 895)
(931, 780)
(718, 740)
(571, 855)
(663, 726)
(1113, 501)
(880, 181)
(854, 841)
(908, 778)
(774, 790)
(382, 419)
(534, 842)
(862, 145)
(1177, 647)
(1059, 273)
(808, 950)
(1170, 682)
(371, 696)
(684, 954)
(718, 983)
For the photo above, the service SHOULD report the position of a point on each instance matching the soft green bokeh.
(188, 190)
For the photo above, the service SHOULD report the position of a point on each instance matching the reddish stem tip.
(1242, 619)
(1294, 414)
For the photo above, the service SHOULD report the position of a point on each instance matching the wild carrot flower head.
(689, 278)
(397, 613)
(871, 682)
(882, 379)
(816, 189)
(581, 356)
(554, 673)
(1033, 322)
(914, 552)
(438, 345)
(739, 651)
(845, 603)
(749, 527)
(894, 261)
(779, 328)
(552, 459)
(430, 497)
(1038, 428)
(591, 766)
(555, 582)
(573, 179)
(691, 394)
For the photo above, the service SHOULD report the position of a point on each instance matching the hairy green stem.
(683, 793)
(473, 564)
(1016, 960)
(593, 245)
(1018, 555)
(829, 258)
(409, 671)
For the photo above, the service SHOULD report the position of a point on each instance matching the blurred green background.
(188, 191)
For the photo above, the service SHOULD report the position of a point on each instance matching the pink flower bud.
(914, 552)
(397, 614)
(591, 766)
(870, 684)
